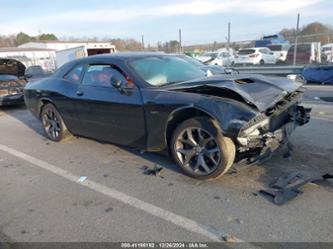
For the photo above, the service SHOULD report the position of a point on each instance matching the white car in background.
(255, 56)
(218, 58)
(280, 51)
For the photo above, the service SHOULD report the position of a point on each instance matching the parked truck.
(306, 53)
(66, 55)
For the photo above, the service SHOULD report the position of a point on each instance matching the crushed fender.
(286, 187)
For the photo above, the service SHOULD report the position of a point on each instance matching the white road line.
(166, 215)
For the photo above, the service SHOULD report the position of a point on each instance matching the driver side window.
(100, 75)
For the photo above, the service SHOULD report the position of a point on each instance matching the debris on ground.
(155, 171)
(82, 179)
(229, 238)
(239, 221)
(286, 187)
(110, 209)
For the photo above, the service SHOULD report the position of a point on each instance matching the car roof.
(125, 55)
(120, 56)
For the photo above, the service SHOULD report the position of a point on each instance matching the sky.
(201, 21)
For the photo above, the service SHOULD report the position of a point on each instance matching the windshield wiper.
(174, 82)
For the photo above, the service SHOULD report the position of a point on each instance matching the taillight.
(253, 55)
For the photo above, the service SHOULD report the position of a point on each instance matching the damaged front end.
(266, 132)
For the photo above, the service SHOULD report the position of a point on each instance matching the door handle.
(79, 93)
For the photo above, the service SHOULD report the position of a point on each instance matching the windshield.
(193, 61)
(326, 49)
(305, 48)
(246, 51)
(35, 70)
(210, 54)
(162, 70)
(275, 47)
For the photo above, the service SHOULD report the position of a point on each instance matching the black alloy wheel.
(200, 149)
(53, 123)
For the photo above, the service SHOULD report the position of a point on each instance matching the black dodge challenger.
(160, 102)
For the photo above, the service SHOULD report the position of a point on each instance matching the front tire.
(53, 124)
(199, 148)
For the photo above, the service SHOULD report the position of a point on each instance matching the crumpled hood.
(11, 67)
(261, 91)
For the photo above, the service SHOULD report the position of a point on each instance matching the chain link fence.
(296, 50)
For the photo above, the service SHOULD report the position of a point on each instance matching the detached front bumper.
(264, 143)
(12, 99)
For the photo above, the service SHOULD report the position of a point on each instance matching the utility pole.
(228, 39)
(180, 41)
(296, 39)
(142, 42)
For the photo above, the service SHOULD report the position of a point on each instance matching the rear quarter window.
(246, 51)
(75, 74)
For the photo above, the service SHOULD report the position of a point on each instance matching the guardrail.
(270, 70)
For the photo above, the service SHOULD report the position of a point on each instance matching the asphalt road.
(42, 198)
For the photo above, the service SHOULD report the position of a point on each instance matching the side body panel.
(61, 93)
(106, 114)
(160, 107)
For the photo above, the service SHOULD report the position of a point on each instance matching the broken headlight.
(253, 130)
(9, 92)
(4, 92)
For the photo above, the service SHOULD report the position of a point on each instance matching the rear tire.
(53, 124)
(201, 151)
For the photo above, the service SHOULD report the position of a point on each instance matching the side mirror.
(228, 71)
(209, 73)
(119, 84)
(116, 82)
(28, 76)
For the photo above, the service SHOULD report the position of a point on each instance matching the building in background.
(69, 50)
(44, 53)
(91, 47)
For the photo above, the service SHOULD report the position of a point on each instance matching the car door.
(271, 56)
(264, 56)
(107, 113)
(65, 100)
